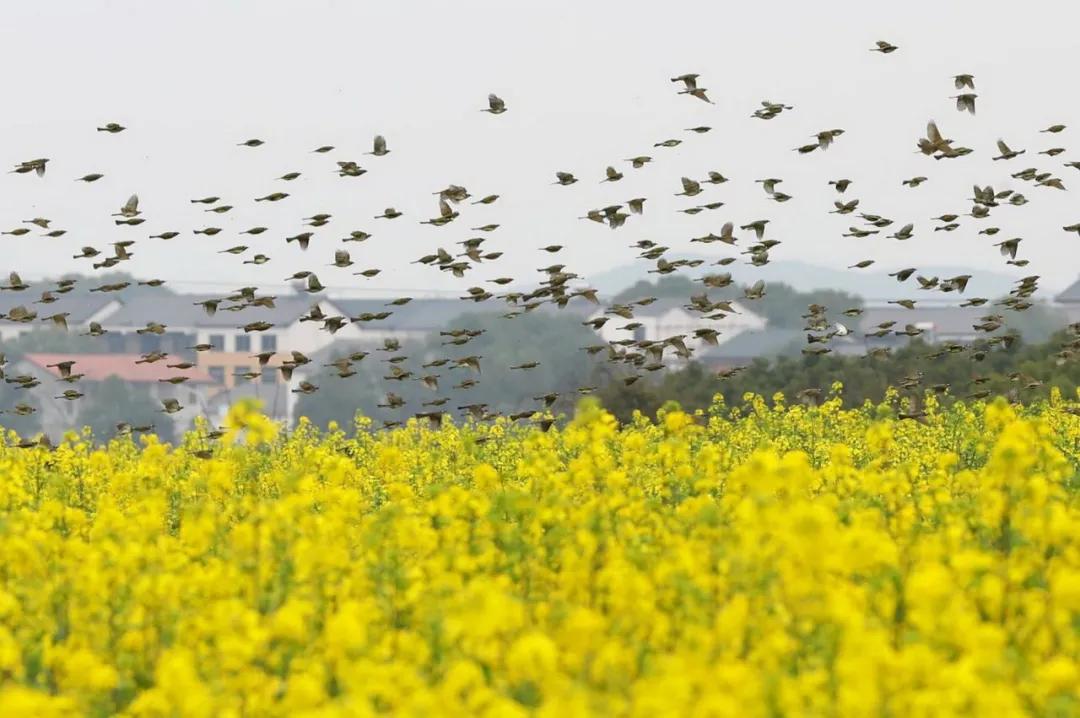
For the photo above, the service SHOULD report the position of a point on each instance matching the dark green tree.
(114, 401)
(784, 306)
(25, 424)
(52, 341)
(1024, 372)
(339, 399)
(555, 340)
(673, 285)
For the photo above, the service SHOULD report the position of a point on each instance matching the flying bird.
(496, 106)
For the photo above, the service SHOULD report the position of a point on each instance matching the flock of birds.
(559, 285)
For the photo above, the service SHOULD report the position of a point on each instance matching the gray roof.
(945, 320)
(419, 314)
(1071, 294)
(80, 307)
(428, 315)
(768, 342)
(181, 310)
(662, 305)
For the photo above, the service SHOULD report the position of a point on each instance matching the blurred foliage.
(110, 402)
(1024, 371)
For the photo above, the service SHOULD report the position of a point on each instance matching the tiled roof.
(80, 307)
(663, 305)
(98, 367)
(945, 320)
(182, 310)
(753, 343)
(428, 315)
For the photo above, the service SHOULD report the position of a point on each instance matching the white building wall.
(677, 321)
(11, 330)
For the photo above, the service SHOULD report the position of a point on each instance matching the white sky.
(586, 84)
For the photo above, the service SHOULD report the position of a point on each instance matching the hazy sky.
(586, 84)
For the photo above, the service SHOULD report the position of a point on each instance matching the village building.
(668, 317)
(58, 415)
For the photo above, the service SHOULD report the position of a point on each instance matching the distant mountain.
(805, 277)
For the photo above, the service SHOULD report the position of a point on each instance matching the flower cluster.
(770, 561)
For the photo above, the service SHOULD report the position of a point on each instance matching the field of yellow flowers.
(767, 561)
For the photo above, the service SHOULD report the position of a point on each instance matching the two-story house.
(59, 415)
(667, 317)
(233, 348)
(939, 324)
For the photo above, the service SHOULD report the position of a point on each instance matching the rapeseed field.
(770, 560)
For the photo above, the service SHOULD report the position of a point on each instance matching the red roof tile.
(98, 367)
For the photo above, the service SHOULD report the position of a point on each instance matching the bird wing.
(1003, 148)
(132, 204)
(380, 143)
(932, 132)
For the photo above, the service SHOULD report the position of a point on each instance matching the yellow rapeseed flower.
(776, 560)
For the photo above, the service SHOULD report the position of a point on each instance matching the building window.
(149, 343)
(217, 373)
(217, 342)
(268, 374)
(269, 342)
(243, 343)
